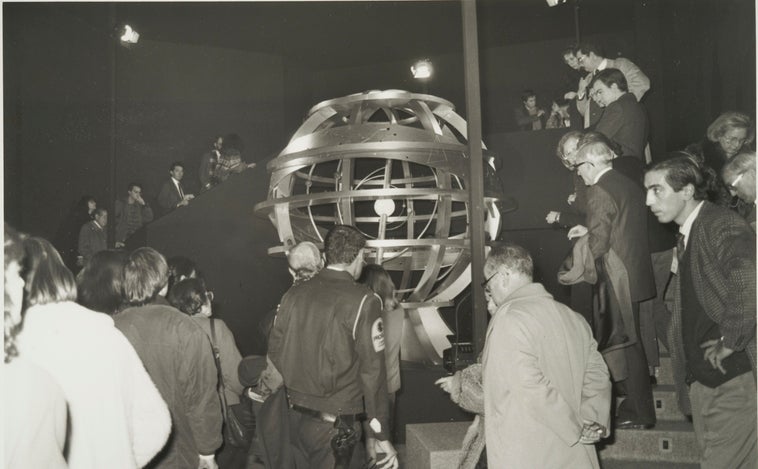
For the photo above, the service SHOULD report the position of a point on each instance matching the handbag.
(239, 420)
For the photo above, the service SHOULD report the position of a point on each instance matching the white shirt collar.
(687, 225)
(600, 174)
(97, 224)
(602, 65)
(176, 183)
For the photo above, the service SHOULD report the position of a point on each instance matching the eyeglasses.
(486, 282)
(580, 58)
(738, 142)
(576, 166)
(209, 295)
(733, 184)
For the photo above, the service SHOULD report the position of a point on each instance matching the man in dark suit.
(624, 120)
(712, 333)
(592, 59)
(172, 193)
(616, 226)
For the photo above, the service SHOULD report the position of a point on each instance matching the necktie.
(680, 247)
(181, 192)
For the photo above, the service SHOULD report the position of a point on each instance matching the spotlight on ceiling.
(422, 69)
(128, 35)
(553, 3)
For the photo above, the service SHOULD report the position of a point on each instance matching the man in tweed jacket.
(712, 331)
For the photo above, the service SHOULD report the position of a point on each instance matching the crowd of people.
(140, 330)
(663, 251)
(84, 230)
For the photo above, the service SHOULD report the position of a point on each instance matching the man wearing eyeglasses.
(739, 176)
(546, 388)
(591, 59)
(616, 229)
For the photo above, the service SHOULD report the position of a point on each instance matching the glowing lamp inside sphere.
(384, 207)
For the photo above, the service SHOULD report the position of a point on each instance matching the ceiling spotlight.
(553, 3)
(128, 35)
(422, 69)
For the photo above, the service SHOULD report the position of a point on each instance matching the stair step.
(668, 441)
(666, 405)
(616, 464)
(437, 445)
(434, 445)
(665, 402)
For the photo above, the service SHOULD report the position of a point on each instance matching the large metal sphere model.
(395, 165)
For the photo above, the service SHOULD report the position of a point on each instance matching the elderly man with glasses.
(739, 176)
(617, 237)
(546, 389)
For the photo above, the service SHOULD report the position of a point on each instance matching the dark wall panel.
(173, 99)
(56, 112)
(532, 174)
(708, 64)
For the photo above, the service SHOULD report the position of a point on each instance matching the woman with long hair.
(34, 415)
(117, 417)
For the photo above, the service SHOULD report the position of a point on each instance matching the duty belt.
(349, 419)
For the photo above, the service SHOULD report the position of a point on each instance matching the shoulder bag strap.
(217, 359)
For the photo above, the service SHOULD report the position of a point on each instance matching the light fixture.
(128, 35)
(422, 69)
(553, 3)
(384, 207)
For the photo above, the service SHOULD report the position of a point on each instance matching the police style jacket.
(328, 343)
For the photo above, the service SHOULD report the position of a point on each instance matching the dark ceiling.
(328, 34)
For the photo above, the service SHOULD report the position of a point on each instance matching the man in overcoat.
(547, 395)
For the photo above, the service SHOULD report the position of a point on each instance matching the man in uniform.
(328, 343)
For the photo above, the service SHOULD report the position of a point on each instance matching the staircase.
(670, 444)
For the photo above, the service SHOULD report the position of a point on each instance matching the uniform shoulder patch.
(377, 335)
